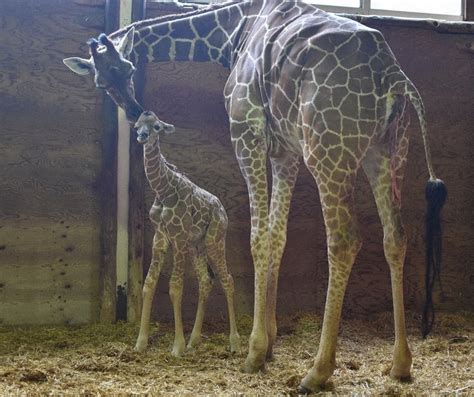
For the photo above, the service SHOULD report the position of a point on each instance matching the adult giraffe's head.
(149, 127)
(112, 70)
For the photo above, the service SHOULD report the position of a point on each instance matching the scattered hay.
(33, 375)
(100, 360)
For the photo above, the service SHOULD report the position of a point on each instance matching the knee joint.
(341, 244)
(149, 284)
(175, 291)
(227, 282)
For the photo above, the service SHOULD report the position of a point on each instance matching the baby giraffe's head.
(149, 126)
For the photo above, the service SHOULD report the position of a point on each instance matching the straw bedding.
(99, 360)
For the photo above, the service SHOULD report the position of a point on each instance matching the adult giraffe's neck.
(209, 35)
(158, 172)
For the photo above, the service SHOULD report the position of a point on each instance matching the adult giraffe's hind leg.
(284, 173)
(385, 176)
(335, 181)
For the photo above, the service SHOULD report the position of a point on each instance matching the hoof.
(193, 343)
(177, 351)
(253, 366)
(235, 344)
(303, 390)
(269, 356)
(402, 375)
(315, 381)
(190, 348)
(140, 346)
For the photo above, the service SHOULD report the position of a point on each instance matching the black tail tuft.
(435, 194)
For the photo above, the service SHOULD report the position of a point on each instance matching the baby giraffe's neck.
(160, 176)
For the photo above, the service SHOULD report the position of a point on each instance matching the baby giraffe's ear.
(78, 65)
(125, 45)
(168, 128)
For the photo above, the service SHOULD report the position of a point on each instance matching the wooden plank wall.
(50, 167)
(190, 96)
(50, 162)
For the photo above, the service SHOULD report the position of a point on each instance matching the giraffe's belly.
(203, 209)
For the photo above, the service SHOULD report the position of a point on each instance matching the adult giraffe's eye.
(114, 70)
(157, 127)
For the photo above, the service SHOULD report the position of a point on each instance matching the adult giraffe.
(303, 83)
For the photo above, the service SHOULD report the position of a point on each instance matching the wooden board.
(51, 176)
(50, 165)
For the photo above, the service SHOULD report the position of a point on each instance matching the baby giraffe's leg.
(205, 285)
(176, 295)
(215, 245)
(160, 246)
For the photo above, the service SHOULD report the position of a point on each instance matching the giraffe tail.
(435, 194)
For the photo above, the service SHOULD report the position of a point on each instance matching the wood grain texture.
(50, 165)
(189, 95)
(137, 211)
(468, 10)
(52, 173)
(108, 191)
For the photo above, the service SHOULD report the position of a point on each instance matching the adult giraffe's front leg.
(284, 173)
(251, 155)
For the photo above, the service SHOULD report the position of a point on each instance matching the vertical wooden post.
(137, 198)
(365, 6)
(109, 191)
(469, 10)
(123, 186)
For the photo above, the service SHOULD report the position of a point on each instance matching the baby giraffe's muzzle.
(142, 134)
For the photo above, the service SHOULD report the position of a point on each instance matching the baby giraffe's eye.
(157, 126)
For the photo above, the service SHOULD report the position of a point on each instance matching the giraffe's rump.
(308, 60)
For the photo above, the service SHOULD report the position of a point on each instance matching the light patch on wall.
(339, 3)
(451, 7)
(441, 7)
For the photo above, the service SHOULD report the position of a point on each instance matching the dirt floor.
(99, 360)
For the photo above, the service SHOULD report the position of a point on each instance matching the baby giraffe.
(189, 221)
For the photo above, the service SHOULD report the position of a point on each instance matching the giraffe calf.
(190, 222)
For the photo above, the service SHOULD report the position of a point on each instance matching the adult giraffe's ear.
(78, 65)
(125, 45)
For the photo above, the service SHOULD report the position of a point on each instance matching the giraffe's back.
(303, 62)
